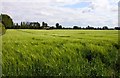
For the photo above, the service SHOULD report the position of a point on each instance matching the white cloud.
(99, 13)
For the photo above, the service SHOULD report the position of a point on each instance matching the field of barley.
(60, 53)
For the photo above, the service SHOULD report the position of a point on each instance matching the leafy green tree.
(60, 26)
(105, 28)
(57, 25)
(43, 23)
(6, 21)
(75, 27)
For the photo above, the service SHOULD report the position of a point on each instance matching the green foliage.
(6, 20)
(60, 53)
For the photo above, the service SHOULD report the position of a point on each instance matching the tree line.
(7, 21)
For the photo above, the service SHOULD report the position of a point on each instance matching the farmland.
(60, 53)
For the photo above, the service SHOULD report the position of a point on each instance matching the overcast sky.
(96, 13)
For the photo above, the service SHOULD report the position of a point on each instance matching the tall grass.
(60, 53)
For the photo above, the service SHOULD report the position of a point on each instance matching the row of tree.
(98, 28)
(8, 23)
(36, 25)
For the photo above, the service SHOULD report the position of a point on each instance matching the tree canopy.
(6, 20)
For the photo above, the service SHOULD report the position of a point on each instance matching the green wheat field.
(60, 53)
